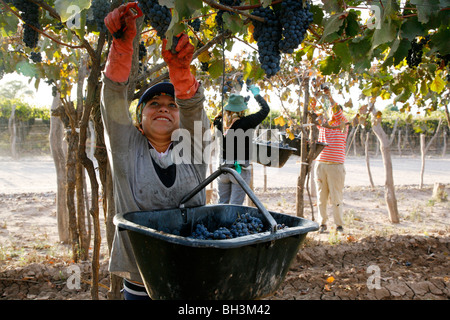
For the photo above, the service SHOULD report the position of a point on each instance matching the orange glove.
(118, 65)
(179, 64)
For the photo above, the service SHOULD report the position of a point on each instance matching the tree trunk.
(377, 149)
(444, 144)
(92, 109)
(80, 176)
(439, 193)
(59, 153)
(447, 115)
(351, 138)
(72, 142)
(424, 150)
(252, 186)
(13, 132)
(366, 151)
(81, 212)
(265, 178)
(312, 184)
(389, 188)
(408, 139)
(109, 208)
(304, 167)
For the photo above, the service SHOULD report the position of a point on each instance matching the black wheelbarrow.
(296, 144)
(272, 154)
(293, 143)
(175, 266)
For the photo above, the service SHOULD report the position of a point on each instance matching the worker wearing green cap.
(235, 122)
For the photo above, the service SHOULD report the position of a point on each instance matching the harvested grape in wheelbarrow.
(243, 226)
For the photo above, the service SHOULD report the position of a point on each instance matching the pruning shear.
(133, 6)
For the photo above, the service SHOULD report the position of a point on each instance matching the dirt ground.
(372, 260)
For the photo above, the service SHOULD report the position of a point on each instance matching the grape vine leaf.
(424, 88)
(330, 65)
(291, 136)
(438, 84)
(367, 92)
(342, 51)
(385, 95)
(331, 6)
(266, 3)
(411, 28)
(386, 33)
(8, 25)
(359, 49)
(185, 9)
(25, 68)
(215, 69)
(233, 22)
(399, 51)
(332, 25)
(168, 3)
(351, 24)
(182, 10)
(440, 41)
(279, 121)
(425, 9)
(252, 71)
(317, 14)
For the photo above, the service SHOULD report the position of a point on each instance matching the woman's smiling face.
(160, 118)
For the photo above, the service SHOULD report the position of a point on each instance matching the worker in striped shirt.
(329, 170)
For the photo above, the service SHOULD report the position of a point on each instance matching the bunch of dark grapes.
(445, 59)
(142, 68)
(228, 3)
(243, 226)
(36, 57)
(158, 16)
(205, 66)
(195, 24)
(295, 20)
(59, 26)
(97, 13)
(142, 50)
(240, 80)
(30, 15)
(415, 54)
(201, 232)
(268, 35)
(246, 225)
(227, 86)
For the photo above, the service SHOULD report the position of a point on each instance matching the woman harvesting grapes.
(145, 177)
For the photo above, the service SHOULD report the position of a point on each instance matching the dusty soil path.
(373, 259)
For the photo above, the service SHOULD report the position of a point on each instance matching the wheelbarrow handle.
(243, 185)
